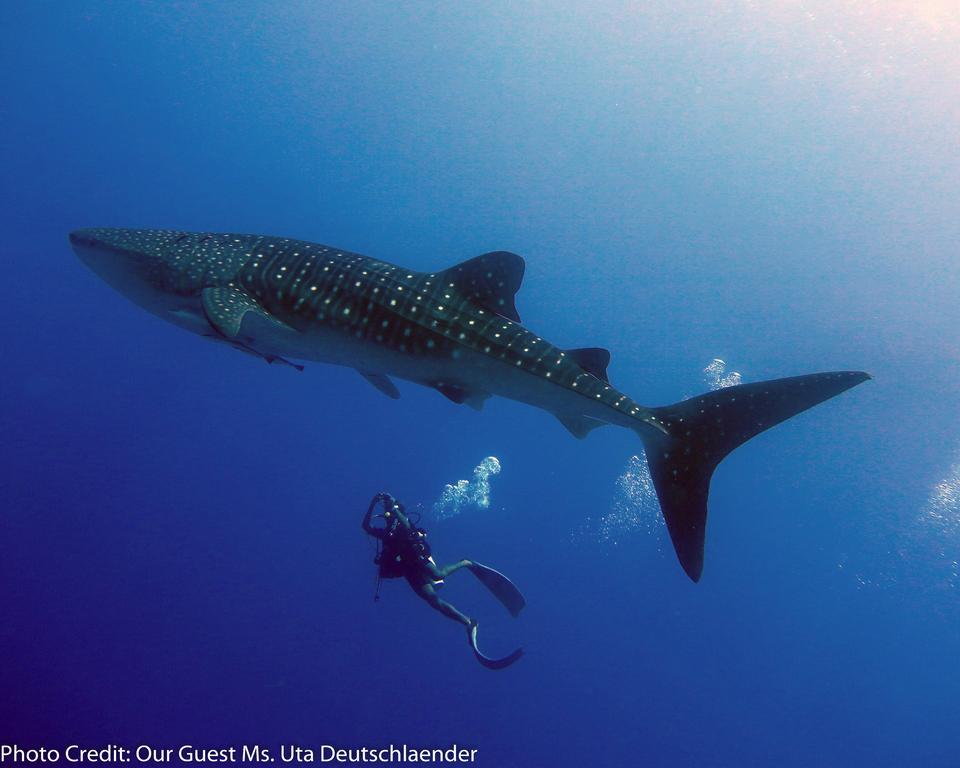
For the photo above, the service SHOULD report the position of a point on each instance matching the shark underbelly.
(467, 369)
(516, 383)
(464, 368)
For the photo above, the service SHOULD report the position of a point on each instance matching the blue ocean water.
(772, 184)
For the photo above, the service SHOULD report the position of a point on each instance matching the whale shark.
(455, 330)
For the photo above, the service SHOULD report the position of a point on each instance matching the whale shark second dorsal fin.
(593, 360)
(490, 280)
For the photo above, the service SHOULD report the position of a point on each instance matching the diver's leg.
(438, 574)
(425, 590)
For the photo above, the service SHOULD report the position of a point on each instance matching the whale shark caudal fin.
(701, 431)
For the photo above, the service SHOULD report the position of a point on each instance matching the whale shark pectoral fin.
(579, 426)
(490, 280)
(382, 383)
(594, 360)
(461, 395)
(237, 318)
(227, 308)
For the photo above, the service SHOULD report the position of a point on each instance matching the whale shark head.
(134, 262)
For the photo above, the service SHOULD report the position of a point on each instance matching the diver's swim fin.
(489, 663)
(693, 436)
(501, 587)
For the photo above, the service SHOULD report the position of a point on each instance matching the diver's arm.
(397, 509)
(391, 508)
(367, 526)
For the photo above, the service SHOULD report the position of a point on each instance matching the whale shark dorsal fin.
(490, 280)
(593, 360)
(226, 308)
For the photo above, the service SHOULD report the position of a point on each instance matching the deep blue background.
(776, 184)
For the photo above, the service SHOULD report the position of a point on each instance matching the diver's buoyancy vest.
(402, 549)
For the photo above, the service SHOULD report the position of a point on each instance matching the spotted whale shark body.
(456, 330)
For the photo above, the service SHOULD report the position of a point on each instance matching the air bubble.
(467, 494)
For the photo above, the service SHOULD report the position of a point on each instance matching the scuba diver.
(404, 551)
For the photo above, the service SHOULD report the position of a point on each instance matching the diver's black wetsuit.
(405, 552)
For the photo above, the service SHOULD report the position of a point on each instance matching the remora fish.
(456, 330)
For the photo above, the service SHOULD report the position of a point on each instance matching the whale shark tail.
(697, 434)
